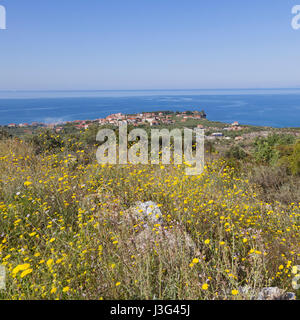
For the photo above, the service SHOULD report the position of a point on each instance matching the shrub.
(236, 152)
(295, 159)
(266, 149)
(46, 141)
(4, 134)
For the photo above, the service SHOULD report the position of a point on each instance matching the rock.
(274, 293)
(152, 231)
(148, 212)
(289, 296)
(247, 292)
(172, 240)
(270, 293)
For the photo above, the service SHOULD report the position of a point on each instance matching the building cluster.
(196, 115)
(148, 118)
(151, 118)
(25, 125)
(235, 126)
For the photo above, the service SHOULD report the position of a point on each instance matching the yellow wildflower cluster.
(64, 231)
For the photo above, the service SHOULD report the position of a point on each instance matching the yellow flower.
(245, 240)
(207, 241)
(6, 257)
(196, 261)
(49, 262)
(205, 286)
(25, 273)
(20, 267)
(66, 289)
(117, 284)
(235, 292)
(27, 183)
(53, 290)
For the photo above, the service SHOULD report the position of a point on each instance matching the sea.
(261, 107)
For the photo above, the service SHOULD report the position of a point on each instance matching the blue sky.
(148, 44)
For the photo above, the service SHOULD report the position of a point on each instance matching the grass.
(66, 232)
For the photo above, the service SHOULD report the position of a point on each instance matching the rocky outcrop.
(152, 230)
(148, 212)
(274, 293)
(269, 293)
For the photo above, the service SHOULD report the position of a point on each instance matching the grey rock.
(148, 212)
(173, 240)
(274, 293)
(270, 293)
(247, 292)
(152, 231)
(289, 296)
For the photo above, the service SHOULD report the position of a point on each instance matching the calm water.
(277, 108)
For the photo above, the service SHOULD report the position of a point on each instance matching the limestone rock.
(171, 239)
(148, 212)
(270, 293)
(274, 293)
(152, 231)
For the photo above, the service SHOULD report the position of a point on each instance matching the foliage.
(265, 150)
(236, 152)
(46, 141)
(291, 158)
(295, 159)
(65, 231)
(4, 134)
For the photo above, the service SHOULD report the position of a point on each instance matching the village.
(214, 130)
(151, 118)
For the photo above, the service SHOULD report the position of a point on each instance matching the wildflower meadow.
(65, 234)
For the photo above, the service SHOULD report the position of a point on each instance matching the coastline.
(214, 130)
(272, 109)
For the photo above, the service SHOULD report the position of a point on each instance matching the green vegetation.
(67, 229)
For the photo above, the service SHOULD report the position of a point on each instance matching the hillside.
(71, 228)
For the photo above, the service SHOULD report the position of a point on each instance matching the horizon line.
(112, 90)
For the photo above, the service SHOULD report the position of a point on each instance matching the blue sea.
(262, 107)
